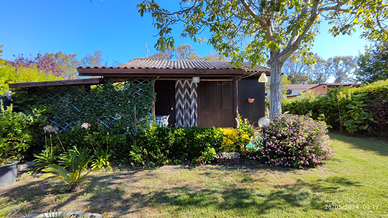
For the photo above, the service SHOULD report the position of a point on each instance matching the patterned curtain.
(186, 103)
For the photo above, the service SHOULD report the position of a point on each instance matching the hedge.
(362, 110)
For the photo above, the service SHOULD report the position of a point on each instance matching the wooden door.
(215, 104)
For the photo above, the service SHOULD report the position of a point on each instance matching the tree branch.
(335, 7)
(296, 42)
(265, 25)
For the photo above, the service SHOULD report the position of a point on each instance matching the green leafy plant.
(357, 117)
(207, 156)
(354, 109)
(151, 147)
(44, 158)
(102, 158)
(77, 172)
(65, 158)
(48, 155)
(14, 132)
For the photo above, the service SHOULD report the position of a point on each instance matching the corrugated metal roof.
(146, 63)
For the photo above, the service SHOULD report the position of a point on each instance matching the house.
(190, 93)
(321, 89)
(220, 93)
(293, 90)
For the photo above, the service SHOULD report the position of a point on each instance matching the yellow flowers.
(232, 141)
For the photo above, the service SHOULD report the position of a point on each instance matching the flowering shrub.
(295, 141)
(229, 140)
(234, 140)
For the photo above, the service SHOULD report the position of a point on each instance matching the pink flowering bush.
(295, 141)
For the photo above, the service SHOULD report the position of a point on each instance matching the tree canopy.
(373, 65)
(266, 31)
(342, 68)
(23, 73)
(185, 52)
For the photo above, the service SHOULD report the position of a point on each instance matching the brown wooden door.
(215, 104)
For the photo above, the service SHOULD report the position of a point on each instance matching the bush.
(229, 140)
(188, 143)
(15, 133)
(151, 147)
(295, 141)
(159, 145)
(95, 137)
(207, 156)
(356, 110)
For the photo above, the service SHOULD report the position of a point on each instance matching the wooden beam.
(76, 82)
(235, 99)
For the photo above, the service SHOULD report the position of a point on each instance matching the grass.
(353, 184)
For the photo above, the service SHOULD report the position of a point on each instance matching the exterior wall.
(209, 103)
(320, 90)
(251, 88)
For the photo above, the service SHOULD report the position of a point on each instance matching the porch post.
(235, 100)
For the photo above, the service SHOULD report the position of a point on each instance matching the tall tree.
(27, 73)
(373, 65)
(300, 72)
(265, 31)
(185, 52)
(296, 70)
(214, 57)
(318, 73)
(93, 60)
(166, 54)
(68, 62)
(46, 63)
(342, 68)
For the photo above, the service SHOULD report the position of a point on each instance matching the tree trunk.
(276, 91)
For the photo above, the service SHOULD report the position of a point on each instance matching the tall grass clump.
(295, 141)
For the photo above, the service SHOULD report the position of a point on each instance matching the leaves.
(15, 134)
(354, 108)
(77, 172)
(265, 31)
(373, 65)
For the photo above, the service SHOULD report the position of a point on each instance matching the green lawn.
(353, 184)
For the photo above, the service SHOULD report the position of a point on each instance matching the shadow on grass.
(112, 194)
(41, 194)
(362, 143)
(240, 200)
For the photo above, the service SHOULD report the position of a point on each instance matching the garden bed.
(359, 169)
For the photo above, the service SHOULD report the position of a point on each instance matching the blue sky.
(115, 26)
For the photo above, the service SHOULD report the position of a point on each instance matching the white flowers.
(50, 129)
(85, 126)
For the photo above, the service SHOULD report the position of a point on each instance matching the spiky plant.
(77, 172)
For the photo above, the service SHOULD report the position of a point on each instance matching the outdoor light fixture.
(264, 124)
(263, 78)
(195, 79)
